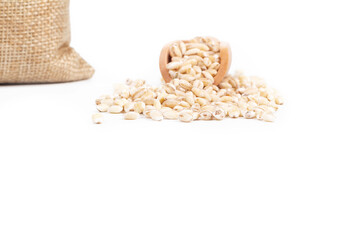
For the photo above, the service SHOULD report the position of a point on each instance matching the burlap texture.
(34, 43)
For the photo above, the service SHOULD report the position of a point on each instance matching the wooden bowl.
(225, 62)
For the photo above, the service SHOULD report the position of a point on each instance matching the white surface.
(61, 177)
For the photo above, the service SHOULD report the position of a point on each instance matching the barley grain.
(205, 115)
(171, 114)
(182, 47)
(115, 109)
(234, 112)
(139, 107)
(185, 84)
(186, 116)
(178, 108)
(97, 118)
(131, 116)
(156, 115)
(279, 100)
(173, 65)
(219, 114)
(139, 93)
(184, 104)
(170, 103)
(250, 114)
(147, 111)
(193, 51)
(129, 106)
(102, 107)
(107, 101)
(269, 117)
(226, 99)
(157, 104)
(190, 98)
(201, 101)
(195, 115)
(198, 92)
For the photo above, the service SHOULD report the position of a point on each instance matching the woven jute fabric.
(34, 43)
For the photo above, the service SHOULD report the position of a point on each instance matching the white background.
(61, 177)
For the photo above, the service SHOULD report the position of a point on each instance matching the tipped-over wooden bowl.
(225, 62)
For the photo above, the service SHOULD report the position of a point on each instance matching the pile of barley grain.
(191, 94)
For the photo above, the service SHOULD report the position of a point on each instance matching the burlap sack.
(34, 43)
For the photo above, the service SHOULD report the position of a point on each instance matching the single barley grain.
(250, 114)
(165, 109)
(131, 116)
(115, 109)
(178, 108)
(157, 104)
(156, 115)
(186, 116)
(171, 114)
(102, 107)
(268, 117)
(170, 103)
(189, 97)
(219, 114)
(97, 118)
(196, 116)
(279, 100)
(205, 115)
(107, 101)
